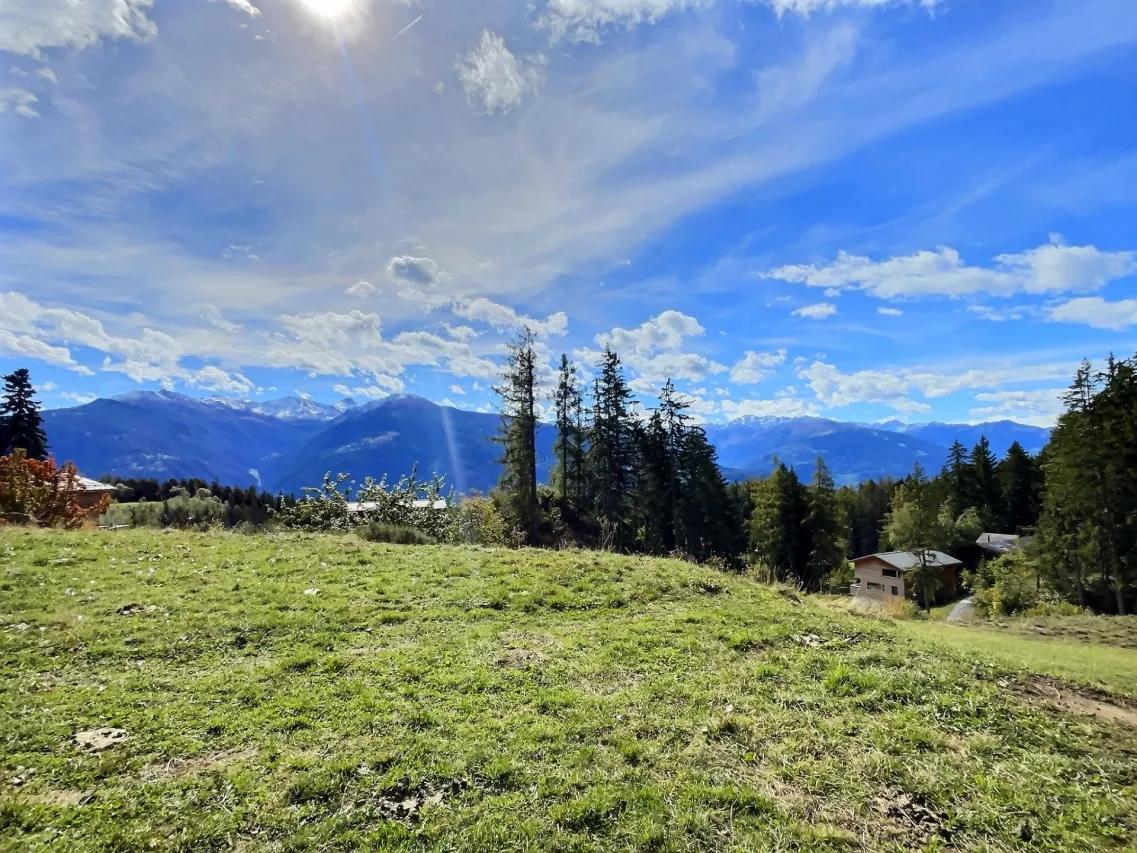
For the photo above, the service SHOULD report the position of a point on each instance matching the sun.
(329, 10)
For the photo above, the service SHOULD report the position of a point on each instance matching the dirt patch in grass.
(60, 799)
(1078, 700)
(911, 817)
(521, 659)
(178, 768)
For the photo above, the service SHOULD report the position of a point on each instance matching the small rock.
(312, 591)
(96, 740)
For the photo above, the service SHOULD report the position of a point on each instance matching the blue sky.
(863, 209)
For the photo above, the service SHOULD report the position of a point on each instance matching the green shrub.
(394, 534)
(477, 521)
(1007, 584)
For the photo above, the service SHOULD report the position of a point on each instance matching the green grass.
(444, 699)
(1105, 667)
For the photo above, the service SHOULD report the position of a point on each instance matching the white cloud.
(362, 288)
(835, 389)
(29, 26)
(1051, 268)
(1097, 312)
(216, 379)
(502, 317)
(783, 407)
(652, 350)
(365, 392)
(47, 74)
(1039, 407)
(26, 345)
(889, 312)
(756, 366)
(820, 311)
(421, 272)
(457, 389)
(665, 331)
(461, 333)
(808, 7)
(218, 322)
(583, 20)
(19, 101)
(997, 315)
(243, 6)
(493, 78)
(47, 386)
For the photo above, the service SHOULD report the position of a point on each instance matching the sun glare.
(329, 10)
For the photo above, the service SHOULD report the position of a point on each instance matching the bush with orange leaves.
(42, 493)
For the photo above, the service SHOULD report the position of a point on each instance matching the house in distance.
(881, 576)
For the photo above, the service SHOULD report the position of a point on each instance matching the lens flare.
(329, 10)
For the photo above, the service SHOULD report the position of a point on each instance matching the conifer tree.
(823, 525)
(1021, 478)
(518, 435)
(986, 488)
(21, 425)
(568, 402)
(611, 452)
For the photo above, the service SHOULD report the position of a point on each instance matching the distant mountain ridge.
(287, 444)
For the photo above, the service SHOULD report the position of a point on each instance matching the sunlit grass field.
(295, 692)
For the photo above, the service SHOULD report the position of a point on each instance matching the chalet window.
(890, 573)
(895, 591)
(879, 587)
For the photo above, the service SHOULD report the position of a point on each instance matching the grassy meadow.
(298, 692)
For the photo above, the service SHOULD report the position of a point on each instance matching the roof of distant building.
(86, 484)
(367, 506)
(999, 543)
(905, 560)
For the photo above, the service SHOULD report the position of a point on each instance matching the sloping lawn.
(319, 693)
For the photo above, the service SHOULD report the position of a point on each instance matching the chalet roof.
(999, 543)
(86, 484)
(367, 506)
(905, 560)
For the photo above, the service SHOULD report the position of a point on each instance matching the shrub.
(41, 493)
(477, 521)
(1007, 584)
(394, 534)
(408, 503)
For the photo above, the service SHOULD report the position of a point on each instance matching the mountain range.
(287, 444)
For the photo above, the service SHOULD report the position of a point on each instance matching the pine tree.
(21, 426)
(778, 532)
(1021, 478)
(986, 488)
(518, 436)
(611, 453)
(958, 477)
(823, 525)
(568, 401)
(706, 525)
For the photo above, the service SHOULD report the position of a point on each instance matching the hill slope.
(302, 692)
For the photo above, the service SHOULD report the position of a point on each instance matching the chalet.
(881, 576)
(92, 492)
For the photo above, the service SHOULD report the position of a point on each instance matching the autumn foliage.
(42, 493)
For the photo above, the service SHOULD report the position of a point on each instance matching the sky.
(860, 209)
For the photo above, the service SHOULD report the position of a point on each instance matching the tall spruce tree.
(827, 544)
(611, 453)
(1021, 478)
(958, 478)
(779, 535)
(986, 487)
(518, 436)
(21, 425)
(568, 402)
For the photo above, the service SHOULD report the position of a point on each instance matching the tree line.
(192, 502)
(623, 479)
